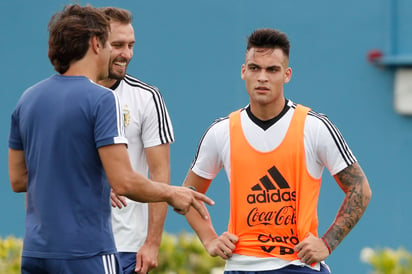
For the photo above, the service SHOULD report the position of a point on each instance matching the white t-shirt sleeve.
(326, 147)
(208, 160)
(156, 124)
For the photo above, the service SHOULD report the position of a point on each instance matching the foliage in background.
(178, 254)
(387, 260)
(185, 254)
(10, 254)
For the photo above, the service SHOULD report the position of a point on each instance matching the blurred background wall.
(192, 51)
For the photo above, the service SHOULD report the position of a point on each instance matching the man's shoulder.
(313, 115)
(219, 125)
(223, 121)
(134, 83)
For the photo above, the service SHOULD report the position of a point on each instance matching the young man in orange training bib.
(274, 152)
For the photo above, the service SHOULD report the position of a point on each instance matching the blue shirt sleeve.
(109, 128)
(15, 141)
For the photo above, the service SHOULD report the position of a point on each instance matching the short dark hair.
(270, 39)
(117, 14)
(70, 31)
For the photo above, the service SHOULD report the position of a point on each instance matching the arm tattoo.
(354, 183)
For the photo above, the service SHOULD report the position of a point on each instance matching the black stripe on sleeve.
(165, 132)
(203, 136)
(336, 136)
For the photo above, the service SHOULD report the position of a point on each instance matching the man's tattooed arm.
(354, 183)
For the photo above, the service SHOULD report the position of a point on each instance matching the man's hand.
(146, 259)
(183, 198)
(312, 250)
(222, 246)
(117, 200)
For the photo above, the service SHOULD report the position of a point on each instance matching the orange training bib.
(273, 198)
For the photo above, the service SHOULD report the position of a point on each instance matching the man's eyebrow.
(253, 64)
(273, 67)
(269, 67)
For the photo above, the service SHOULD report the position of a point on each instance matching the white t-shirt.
(147, 124)
(324, 147)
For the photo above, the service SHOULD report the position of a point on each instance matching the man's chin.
(117, 76)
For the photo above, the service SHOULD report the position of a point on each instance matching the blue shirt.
(60, 123)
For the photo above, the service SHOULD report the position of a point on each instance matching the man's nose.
(127, 53)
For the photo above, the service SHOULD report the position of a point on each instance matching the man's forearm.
(158, 160)
(157, 217)
(354, 183)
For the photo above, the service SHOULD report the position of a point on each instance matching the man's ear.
(288, 75)
(95, 44)
(242, 71)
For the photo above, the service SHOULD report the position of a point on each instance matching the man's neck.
(89, 66)
(108, 83)
(267, 112)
